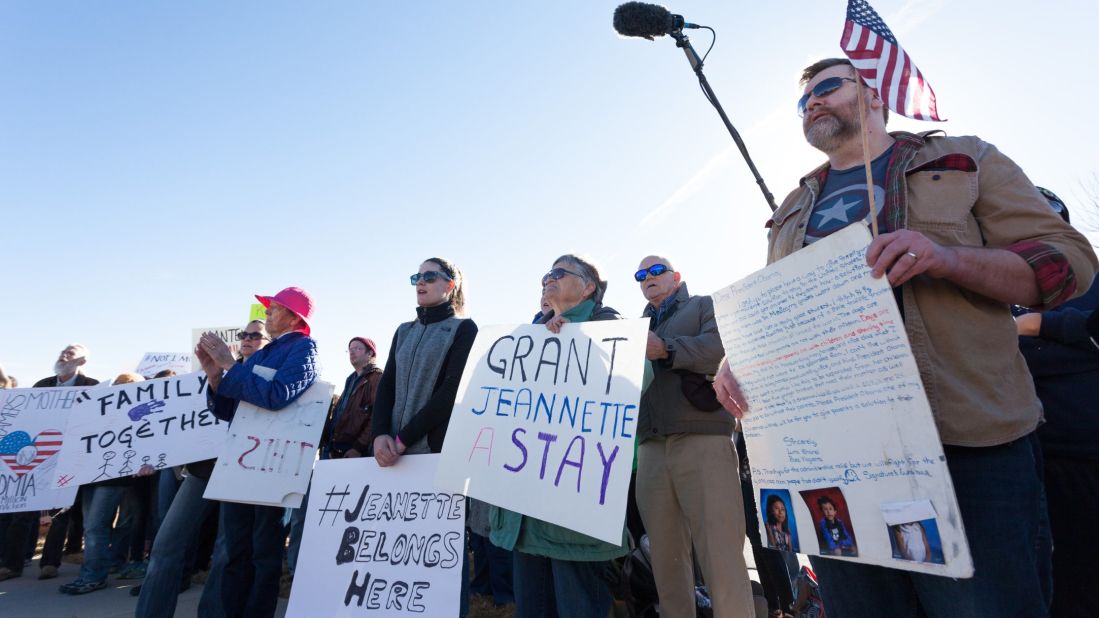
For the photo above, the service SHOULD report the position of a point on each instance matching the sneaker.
(6, 573)
(68, 588)
(134, 570)
(47, 572)
(80, 587)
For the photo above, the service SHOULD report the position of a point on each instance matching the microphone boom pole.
(682, 42)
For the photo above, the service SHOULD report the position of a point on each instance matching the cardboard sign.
(842, 439)
(544, 424)
(269, 454)
(257, 312)
(32, 431)
(379, 542)
(155, 362)
(228, 334)
(113, 431)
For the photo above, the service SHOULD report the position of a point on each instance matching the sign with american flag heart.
(32, 431)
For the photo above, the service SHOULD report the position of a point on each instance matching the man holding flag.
(964, 236)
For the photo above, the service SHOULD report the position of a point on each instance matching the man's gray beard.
(830, 133)
(61, 368)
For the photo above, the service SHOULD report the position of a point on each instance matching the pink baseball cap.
(296, 300)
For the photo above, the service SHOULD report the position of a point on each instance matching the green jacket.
(514, 531)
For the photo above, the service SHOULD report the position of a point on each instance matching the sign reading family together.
(844, 450)
(380, 541)
(32, 431)
(544, 423)
(113, 431)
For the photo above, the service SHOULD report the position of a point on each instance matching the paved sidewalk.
(29, 597)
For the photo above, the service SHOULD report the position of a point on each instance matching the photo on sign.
(777, 512)
(913, 531)
(835, 532)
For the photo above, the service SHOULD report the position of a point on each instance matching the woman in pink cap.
(272, 378)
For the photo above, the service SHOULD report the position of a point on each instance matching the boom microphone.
(647, 20)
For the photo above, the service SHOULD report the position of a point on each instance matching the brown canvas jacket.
(965, 344)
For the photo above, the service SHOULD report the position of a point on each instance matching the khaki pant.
(688, 489)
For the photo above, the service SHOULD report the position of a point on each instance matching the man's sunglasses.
(557, 274)
(822, 89)
(241, 336)
(655, 270)
(429, 277)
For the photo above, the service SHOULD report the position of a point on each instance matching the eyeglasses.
(821, 90)
(655, 270)
(557, 274)
(429, 277)
(241, 336)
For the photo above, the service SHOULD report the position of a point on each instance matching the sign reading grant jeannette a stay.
(544, 423)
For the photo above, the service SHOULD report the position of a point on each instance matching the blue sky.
(160, 162)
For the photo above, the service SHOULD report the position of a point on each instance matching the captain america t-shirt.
(843, 199)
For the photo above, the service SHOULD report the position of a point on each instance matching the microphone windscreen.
(642, 19)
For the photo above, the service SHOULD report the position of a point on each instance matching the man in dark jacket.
(688, 486)
(272, 378)
(1064, 361)
(68, 371)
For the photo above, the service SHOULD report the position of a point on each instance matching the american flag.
(46, 444)
(883, 65)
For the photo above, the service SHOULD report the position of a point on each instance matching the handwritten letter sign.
(840, 429)
(269, 454)
(544, 424)
(32, 430)
(113, 431)
(379, 542)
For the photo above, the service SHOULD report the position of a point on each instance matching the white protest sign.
(269, 454)
(155, 362)
(113, 431)
(544, 424)
(840, 431)
(379, 541)
(32, 431)
(228, 334)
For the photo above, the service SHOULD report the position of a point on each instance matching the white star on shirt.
(837, 211)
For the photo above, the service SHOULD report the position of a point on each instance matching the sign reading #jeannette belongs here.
(379, 542)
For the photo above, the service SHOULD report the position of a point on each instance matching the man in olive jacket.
(688, 483)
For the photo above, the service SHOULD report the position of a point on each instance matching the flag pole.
(866, 157)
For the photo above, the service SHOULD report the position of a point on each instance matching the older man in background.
(688, 487)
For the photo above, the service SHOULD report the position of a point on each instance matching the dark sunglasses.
(429, 277)
(557, 274)
(655, 270)
(823, 89)
(241, 336)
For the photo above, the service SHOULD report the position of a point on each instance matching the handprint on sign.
(142, 410)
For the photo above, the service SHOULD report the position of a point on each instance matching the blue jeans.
(998, 491)
(254, 543)
(209, 605)
(297, 527)
(166, 487)
(545, 588)
(100, 505)
(173, 550)
(492, 568)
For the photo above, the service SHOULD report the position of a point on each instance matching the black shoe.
(135, 591)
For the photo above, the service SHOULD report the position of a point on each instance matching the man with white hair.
(68, 371)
